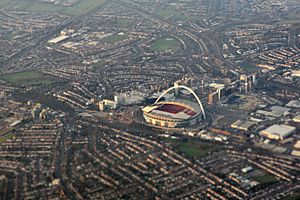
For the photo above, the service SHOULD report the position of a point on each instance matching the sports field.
(249, 66)
(166, 44)
(83, 6)
(195, 149)
(293, 197)
(171, 12)
(190, 148)
(166, 13)
(294, 19)
(7, 36)
(6, 137)
(122, 22)
(267, 178)
(27, 78)
(4, 2)
(111, 39)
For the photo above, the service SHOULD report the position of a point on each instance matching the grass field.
(249, 67)
(183, 17)
(190, 148)
(293, 197)
(83, 6)
(267, 178)
(195, 149)
(4, 2)
(169, 140)
(290, 21)
(6, 137)
(43, 7)
(33, 6)
(7, 36)
(166, 13)
(122, 22)
(3, 184)
(113, 38)
(165, 44)
(27, 78)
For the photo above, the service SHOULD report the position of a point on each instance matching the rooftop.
(280, 130)
(296, 119)
(177, 109)
(293, 104)
(242, 124)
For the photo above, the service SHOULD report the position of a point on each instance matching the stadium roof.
(176, 109)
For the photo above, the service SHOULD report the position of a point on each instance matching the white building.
(278, 132)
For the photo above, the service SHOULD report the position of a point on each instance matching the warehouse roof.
(280, 130)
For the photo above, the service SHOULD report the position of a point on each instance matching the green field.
(293, 19)
(195, 149)
(43, 7)
(4, 2)
(32, 6)
(83, 6)
(122, 22)
(249, 67)
(113, 38)
(293, 197)
(166, 44)
(6, 137)
(166, 13)
(7, 36)
(3, 184)
(27, 78)
(290, 21)
(191, 149)
(183, 17)
(169, 140)
(267, 178)
(170, 12)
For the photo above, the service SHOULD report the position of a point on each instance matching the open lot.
(166, 44)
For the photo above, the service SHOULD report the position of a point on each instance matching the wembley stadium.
(175, 113)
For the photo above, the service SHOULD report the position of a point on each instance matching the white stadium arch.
(186, 88)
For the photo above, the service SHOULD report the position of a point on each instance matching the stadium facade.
(175, 113)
